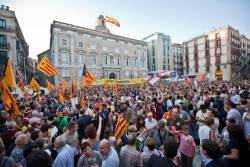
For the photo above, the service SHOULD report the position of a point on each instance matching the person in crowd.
(150, 122)
(174, 124)
(183, 114)
(167, 114)
(17, 152)
(4, 160)
(160, 134)
(129, 156)
(83, 122)
(237, 150)
(61, 120)
(246, 123)
(201, 115)
(150, 143)
(93, 135)
(212, 154)
(108, 134)
(170, 152)
(71, 137)
(186, 148)
(140, 125)
(213, 114)
(207, 131)
(40, 156)
(65, 153)
(89, 158)
(232, 112)
(109, 154)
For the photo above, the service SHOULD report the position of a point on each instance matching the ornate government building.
(105, 54)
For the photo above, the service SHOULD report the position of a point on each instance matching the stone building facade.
(13, 44)
(220, 54)
(177, 54)
(105, 54)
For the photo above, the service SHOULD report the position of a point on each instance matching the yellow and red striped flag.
(87, 76)
(50, 86)
(21, 85)
(8, 75)
(34, 85)
(112, 20)
(47, 67)
(121, 127)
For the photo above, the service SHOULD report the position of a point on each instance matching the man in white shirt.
(150, 122)
(201, 115)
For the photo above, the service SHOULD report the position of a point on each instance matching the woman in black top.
(237, 149)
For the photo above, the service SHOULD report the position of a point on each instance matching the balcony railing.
(7, 29)
(4, 46)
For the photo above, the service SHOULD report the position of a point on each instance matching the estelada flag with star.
(47, 67)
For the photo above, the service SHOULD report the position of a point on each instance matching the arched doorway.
(112, 75)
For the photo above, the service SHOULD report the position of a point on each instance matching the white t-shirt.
(202, 116)
(204, 133)
(150, 123)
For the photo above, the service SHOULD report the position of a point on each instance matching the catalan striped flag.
(34, 85)
(87, 76)
(121, 127)
(47, 67)
(50, 86)
(8, 75)
(112, 20)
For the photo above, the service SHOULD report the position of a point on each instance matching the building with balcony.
(177, 54)
(220, 54)
(12, 43)
(159, 52)
(105, 54)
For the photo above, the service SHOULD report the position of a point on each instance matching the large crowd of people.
(169, 124)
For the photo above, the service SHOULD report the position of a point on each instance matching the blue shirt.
(65, 157)
(111, 160)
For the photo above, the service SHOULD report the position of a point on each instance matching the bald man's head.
(104, 147)
(21, 140)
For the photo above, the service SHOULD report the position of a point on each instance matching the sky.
(181, 19)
